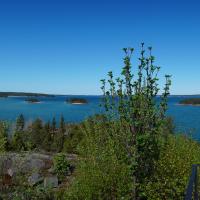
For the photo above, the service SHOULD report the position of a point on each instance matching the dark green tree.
(47, 127)
(4, 144)
(47, 143)
(62, 125)
(20, 123)
(53, 125)
(18, 143)
(61, 137)
(37, 133)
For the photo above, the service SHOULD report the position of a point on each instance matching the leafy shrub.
(173, 169)
(73, 138)
(32, 193)
(3, 136)
(102, 172)
(61, 165)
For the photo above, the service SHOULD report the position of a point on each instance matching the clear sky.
(67, 46)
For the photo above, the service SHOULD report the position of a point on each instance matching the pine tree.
(62, 125)
(37, 133)
(48, 138)
(53, 125)
(61, 136)
(20, 123)
(17, 139)
(3, 136)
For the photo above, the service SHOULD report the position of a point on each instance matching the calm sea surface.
(186, 118)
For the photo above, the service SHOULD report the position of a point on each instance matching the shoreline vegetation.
(191, 102)
(76, 101)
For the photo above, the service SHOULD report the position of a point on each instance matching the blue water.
(186, 118)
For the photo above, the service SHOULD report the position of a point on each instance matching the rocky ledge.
(32, 168)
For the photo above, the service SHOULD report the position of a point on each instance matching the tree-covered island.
(76, 101)
(190, 101)
(32, 100)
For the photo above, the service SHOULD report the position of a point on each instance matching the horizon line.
(58, 94)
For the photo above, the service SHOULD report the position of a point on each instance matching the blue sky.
(67, 46)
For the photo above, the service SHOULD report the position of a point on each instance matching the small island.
(77, 101)
(190, 101)
(32, 100)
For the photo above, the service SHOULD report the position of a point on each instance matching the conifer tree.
(20, 123)
(47, 144)
(53, 125)
(37, 134)
(3, 136)
(61, 136)
(17, 138)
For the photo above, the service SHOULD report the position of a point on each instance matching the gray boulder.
(35, 164)
(24, 162)
(34, 179)
(51, 182)
(51, 170)
(10, 172)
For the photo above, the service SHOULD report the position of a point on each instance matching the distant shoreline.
(24, 94)
(185, 104)
(35, 94)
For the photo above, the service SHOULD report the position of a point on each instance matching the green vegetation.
(18, 142)
(76, 101)
(173, 169)
(123, 151)
(190, 101)
(29, 193)
(61, 165)
(3, 136)
(43, 138)
(40, 136)
(129, 152)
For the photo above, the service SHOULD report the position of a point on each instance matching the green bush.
(3, 136)
(61, 165)
(103, 171)
(32, 193)
(73, 138)
(173, 169)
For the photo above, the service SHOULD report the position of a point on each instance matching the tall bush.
(119, 151)
(3, 136)
(136, 106)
